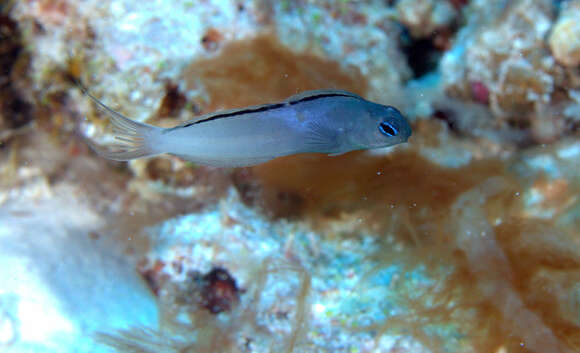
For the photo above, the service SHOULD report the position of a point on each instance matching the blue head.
(381, 126)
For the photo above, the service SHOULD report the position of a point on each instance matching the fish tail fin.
(136, 139)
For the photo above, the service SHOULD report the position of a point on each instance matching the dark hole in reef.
(14, 110)
(150, 278)
(448, 117)
(173, 101)
(458, 4)
(518, 123)
(422, 54)
(10, 45)
(573, 126)
(219, 291)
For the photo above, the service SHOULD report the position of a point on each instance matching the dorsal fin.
(295, 99)
(320, 93)
(231, 113)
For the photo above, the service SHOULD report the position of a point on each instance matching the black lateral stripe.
(238, 112)
(323, 95)
(268, 107)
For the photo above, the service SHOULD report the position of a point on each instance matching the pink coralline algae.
(480, 92)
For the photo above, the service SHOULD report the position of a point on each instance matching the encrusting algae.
(509, 283)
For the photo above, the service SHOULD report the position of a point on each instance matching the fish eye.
(388, 129)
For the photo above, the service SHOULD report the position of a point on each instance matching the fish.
(320, 121)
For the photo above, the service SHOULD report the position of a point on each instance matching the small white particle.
(319, 308)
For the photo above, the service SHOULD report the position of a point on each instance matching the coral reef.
(290, 290)
(463, 240)
(503, 60)
(60, 279)
(423, 17)
(437, 241)
(565, 38)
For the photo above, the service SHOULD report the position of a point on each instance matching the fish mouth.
(408, 133)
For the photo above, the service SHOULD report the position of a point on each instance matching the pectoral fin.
(320, 139)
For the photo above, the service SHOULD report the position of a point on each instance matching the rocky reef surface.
(465, 239)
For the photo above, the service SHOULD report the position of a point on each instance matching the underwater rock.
(423, 17)
(375, 254)
(565, 37)
(156, 179)
(290, 286)
(60, 282)
(502, 61)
